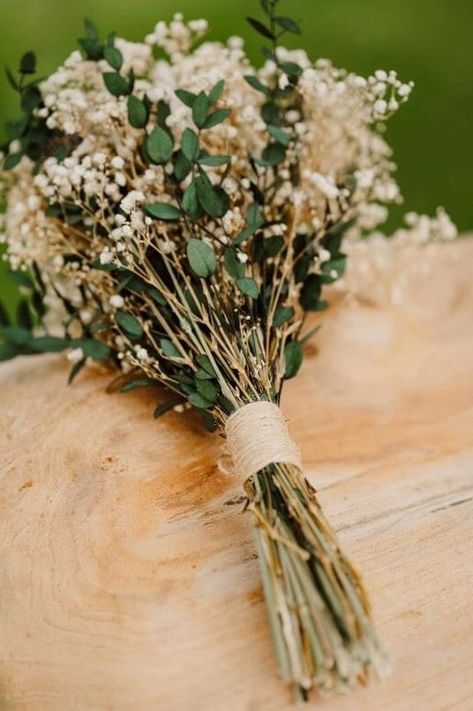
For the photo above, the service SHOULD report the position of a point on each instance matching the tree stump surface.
(128, 576)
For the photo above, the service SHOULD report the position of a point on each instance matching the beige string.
(257, 435)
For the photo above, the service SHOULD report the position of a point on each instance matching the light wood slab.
(128, 578)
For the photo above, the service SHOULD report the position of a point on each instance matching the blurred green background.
(428, 41)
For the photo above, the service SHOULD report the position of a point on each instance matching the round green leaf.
(201, 258)
(159, 145)
(248, 286)
(137, 112)
(116, 84)
(293, 356)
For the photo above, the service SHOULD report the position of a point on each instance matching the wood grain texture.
(128, 577)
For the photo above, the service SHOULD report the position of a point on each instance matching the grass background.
(428, 41)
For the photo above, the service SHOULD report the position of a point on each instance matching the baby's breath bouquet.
(177, 212)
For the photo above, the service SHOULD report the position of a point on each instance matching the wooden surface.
(128, 577)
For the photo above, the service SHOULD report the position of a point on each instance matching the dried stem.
(318, 610)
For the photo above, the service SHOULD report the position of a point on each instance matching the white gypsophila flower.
(380, 269)
(116, 301)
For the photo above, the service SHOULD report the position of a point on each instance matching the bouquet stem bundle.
(318, 609)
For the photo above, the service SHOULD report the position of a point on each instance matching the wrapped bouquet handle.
(318, 610)
(257, 436)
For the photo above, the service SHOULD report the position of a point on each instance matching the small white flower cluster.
(337, 164)
(381, 268)
(177, 37)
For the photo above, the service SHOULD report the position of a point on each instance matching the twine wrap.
(257, 435)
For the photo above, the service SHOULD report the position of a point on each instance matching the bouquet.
(176, 212)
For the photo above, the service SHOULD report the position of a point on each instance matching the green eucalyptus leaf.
(255, 83)
(216, 117)
(207, 389)
(187, 97)
(213, 199)
(31, 99)
(291, 69)
(201, 374)
(49, 344)
(137, 383)
(116, 84)
(216, 91)
(209, 421)
(92, 348)
(159, 145)
(234, 267)
(92, 48)
(293, 356)
(138, 112)
(15, 334)
(162, 211)
(202, 259)
(270, 113)
(333, 269)
(190, 144)
(287, 24)
(273, 245)
(166, 406)
(260, 28)
(200, 109)
(169, 349)
(248, 286)
(11, 160)
(282, 137)
(214, 161)
(204, 362)
(182, 166)
(113, 56)
(190, 202)
(75, 370)
(282, 315)
(28, 63)
(198, 401)
(310, 292)
(273, 154)
(254, 216)
(130, 325)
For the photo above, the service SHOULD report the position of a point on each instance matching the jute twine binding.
(257, 435)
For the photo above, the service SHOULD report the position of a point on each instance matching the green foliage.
(163, 211)
(190, 144)
(159, 145)
(248, 286)
(129, 325)
(200, 107)
(282, 315)
(202, 259)
(293, 356)
(116, 84)
(138, 112)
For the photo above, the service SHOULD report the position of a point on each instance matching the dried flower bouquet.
(179, 217)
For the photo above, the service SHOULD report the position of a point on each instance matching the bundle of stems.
(177, 254)
(318, 609)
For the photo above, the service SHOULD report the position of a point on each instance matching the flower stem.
(318, 610)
